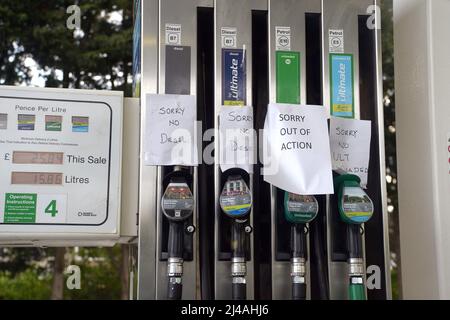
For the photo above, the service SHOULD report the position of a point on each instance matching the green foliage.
(27, 285)
(18, 260)
(96, 57)
(395, 285)
(100, 272)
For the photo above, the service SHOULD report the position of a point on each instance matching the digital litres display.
(26, 157)
(36, 178)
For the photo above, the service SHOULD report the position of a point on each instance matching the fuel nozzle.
(355, 209)
(178, 206)
(299, 211)
(236, 203)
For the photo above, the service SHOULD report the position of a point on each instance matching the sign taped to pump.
(297, 155)
(170, 131)
(236, 138)
(350, 146)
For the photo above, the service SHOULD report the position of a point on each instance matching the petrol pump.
(352, 88)
(355, 209)
(294, 79)
(234, 268)
(178, 206)
(239, 54)
(172, 62)
(299, 212)
(236, 203)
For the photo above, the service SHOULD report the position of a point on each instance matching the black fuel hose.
(239, 286)
(298, 251)
(175, 251)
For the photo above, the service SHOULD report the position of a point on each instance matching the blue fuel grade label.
(342, 86)
(234, 77)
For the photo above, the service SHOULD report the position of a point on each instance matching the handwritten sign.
(170, 130)
(236, 138)
(297, 151)
(350, 146)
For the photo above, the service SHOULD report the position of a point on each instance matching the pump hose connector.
(175, 275)
(298, 270)
(356, 266)
(238, 273)
(238, 267)
(298, 275)
(174, 267)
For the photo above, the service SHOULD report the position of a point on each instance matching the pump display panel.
(59, 161)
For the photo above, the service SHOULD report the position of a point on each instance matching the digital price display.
(24, 157)
(60, 163)
(36, 178)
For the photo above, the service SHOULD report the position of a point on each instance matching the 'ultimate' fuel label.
(234, 77)
(342, 85)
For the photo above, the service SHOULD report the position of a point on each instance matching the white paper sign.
(236, 138)
(350, 146)
(296, 149)
(170, 130)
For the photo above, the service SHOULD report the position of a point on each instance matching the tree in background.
(12, 55)
(97, 56)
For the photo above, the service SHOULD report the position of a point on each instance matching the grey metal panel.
(340, 14)
(232, 13)
(147, 185)
(183, 13)
(290, 13)
(343, 14)
(287, 13)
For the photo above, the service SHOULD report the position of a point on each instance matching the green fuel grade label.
(288, 77)
(20, 208)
